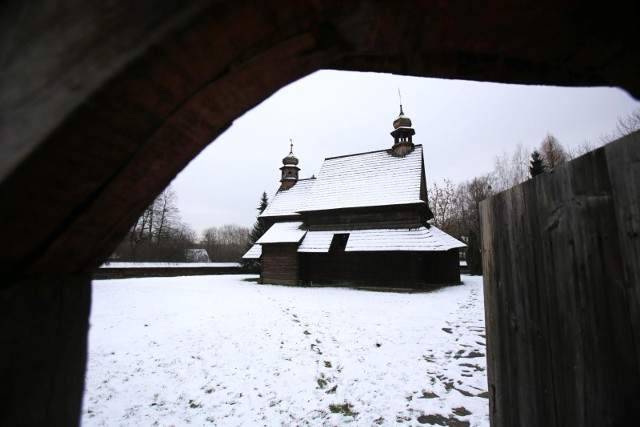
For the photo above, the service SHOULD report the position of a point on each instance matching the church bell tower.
(402, 135)
(290, 170)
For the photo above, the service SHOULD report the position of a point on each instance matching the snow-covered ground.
(218, 350)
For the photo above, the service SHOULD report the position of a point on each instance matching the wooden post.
(43, 349)
(561, 258)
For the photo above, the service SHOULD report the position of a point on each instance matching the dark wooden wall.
(166, 271)
(388, 269)
(442, 267)
(280, 264)
(562, 293)
(369, 217)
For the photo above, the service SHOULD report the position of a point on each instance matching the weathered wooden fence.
(166, 270)
(561, 257)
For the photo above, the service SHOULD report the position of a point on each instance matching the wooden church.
(362, 221)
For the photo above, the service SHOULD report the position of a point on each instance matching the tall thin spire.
(291, 141)
(400, 96)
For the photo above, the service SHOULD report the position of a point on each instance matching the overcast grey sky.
(462, 125)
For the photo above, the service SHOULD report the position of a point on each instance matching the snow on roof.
(254, 253)
(283, 232)
(415, 239)
(317, 241)
(288, 202)
(398, 239)
(197, 255)
(378, 178)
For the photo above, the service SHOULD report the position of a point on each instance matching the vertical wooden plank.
(623, 167)
(515, 315)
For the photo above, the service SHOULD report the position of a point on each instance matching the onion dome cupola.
(402, 135)
(290, 169)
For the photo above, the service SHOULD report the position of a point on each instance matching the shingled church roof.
(289, 202)
(383, 239)
(377, 178)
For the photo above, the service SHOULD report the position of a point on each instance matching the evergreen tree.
(259, 228)
(536, 165)
(257, 231)
(474, 254)
(264, 202)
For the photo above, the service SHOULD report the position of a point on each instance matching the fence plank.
(561, 256)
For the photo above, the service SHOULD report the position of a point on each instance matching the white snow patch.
(197, 255)
(216, 350)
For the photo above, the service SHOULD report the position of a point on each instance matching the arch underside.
(109, 130)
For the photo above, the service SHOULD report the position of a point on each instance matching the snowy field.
(221, 351)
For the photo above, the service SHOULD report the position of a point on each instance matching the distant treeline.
(226, 243)
(160, 235)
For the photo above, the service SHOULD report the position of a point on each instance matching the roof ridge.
(366, 152)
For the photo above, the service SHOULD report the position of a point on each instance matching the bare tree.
(165, 213)
(624, 126)
(552, 152)
(520, 165)
(182, 235)
(209, 240)
(158, 234)
(138, 234)
(583, 148)
(474, 192)
(510, 168)
(628, 124)
(442, 201)
(225, 243)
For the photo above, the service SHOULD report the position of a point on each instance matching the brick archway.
(103, 106)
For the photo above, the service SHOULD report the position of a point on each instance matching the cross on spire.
(291, 151)
(400, 96)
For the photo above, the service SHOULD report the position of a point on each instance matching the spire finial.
(291, 151)
(400, 96)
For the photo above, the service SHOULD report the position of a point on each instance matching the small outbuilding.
(362, 221)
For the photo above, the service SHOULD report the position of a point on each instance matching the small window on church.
(339, 243)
